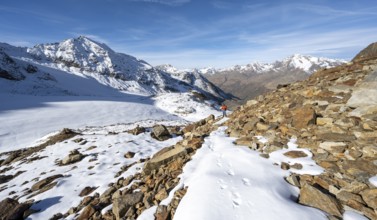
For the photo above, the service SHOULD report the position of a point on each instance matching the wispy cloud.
(165, 2)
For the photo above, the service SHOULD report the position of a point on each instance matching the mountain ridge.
(248, 81)
(87, 58)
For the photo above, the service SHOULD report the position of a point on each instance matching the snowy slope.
(193, 78)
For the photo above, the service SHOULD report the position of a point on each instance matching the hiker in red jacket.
(224, 108)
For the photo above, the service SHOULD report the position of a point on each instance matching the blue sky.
(198, 33)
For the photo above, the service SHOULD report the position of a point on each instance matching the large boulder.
(160, 132)
(314, 197)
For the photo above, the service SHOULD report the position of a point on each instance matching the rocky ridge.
(333, 113)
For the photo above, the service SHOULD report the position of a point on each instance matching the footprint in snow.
(246, 181)
(230, 172)
(222, 184)
(236, 199)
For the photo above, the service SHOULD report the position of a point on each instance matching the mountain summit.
(84, 57)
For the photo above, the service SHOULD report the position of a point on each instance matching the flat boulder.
(42, 183)
(295, 154)
(314, 197)
(163, 157)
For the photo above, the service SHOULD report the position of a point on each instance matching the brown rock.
(162, 194)
(284, 166)
(314, 197)
(333, 147)
(40, 184)
(295, 154)
(370, 197)
(11, 209)
(336, 137)
(87, 212)
(160, 132)
(324, 121)
(138, 130)
(293, 179)
(162, 213)
(262, 126)
(73, 157)
(195, 142)
(245, 141)
(297, 166)
(355, 187)
(250, 125)
(129, 154)
(164, 157)
(303, 116)
(123, 203)
(87, 190)
(370, 151)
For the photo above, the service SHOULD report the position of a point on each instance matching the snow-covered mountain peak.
(307, 63)
(168, 68)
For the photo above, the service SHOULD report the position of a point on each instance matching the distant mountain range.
(251, 80)
(43, 69)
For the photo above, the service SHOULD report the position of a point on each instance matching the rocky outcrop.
(367, 53)
(334, 114)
